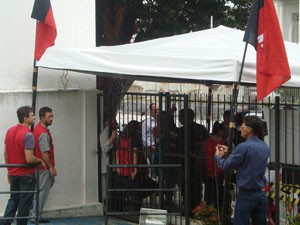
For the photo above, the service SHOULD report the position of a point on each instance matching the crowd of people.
(139, 153)
(160, 141)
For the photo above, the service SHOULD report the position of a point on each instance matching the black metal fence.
(36, 192)
(178, 188)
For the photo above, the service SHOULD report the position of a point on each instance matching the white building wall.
(288, 16)
(74, 103)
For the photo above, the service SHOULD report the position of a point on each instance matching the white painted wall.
(287, 11)
(74, 128)
(75, 21)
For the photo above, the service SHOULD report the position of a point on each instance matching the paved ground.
(84, 221)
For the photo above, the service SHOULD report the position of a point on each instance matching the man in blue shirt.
(250, 159)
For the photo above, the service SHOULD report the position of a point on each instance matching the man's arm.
(233, 160)
(107, 142)
(29, 146)
(5, 159)
(5, 154)
(31, 159)
(44, 144)
(47, 160)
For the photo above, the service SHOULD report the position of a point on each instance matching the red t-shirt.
(212, 168)
(125, 155)
(15, 149)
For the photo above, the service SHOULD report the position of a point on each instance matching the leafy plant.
(294, 220)
(206, 213)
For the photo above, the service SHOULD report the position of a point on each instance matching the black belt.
(252, 190)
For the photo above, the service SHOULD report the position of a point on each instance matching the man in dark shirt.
(250, 159)
(196, 136)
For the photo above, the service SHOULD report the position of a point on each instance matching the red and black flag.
(46, 28)
(263, 32)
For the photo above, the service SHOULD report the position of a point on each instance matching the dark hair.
(150, 107)
(217, 127)
(132, 129)
(255, 123)
(23, 112)
(190, 114)
(226, 113)
(44, 110)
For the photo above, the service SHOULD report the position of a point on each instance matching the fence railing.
(126, 197)
(284, 156)
(36, 192)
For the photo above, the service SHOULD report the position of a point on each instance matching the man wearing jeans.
(44, 150)
(18, 149)
(250, 160)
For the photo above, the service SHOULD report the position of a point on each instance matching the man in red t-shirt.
(18, 149)
(44, 150)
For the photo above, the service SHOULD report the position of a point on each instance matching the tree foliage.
(159, 18)
(118, 20)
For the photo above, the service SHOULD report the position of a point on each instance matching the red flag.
(263, 32)
(46, 28)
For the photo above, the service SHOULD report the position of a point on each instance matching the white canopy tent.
(212, 55)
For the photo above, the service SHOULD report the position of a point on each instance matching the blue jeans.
(21, 202)
(250, 204)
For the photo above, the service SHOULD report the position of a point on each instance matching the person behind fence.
(44, 150)
(225, 123)
(162, 133)
(18, 149)
(250, 159)
(126, 154)
(148, 139)
(214, 174)
(108, 141)
(197, 134)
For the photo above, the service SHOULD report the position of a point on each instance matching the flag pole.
(34, 80)
(34, 87)
(226, 207)
(45, 35)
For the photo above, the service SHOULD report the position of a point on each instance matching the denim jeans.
(250, 204)
(21, 202)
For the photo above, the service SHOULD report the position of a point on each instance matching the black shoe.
(42, 220)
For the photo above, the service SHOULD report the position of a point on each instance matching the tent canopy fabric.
(212, 55)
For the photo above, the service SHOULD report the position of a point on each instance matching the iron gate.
(179, 188)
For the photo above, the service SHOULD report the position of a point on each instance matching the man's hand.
(221, 150)
(113, 136)
(41, 162)
(153, 148)
(53, 172)
(114, 133)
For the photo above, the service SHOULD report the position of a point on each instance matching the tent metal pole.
(226, 207)
(277, 159)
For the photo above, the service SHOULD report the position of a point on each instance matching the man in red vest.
(18, 149)
(44, 150)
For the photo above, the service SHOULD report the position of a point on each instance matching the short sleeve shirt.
(29, 141)
(44, 142)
